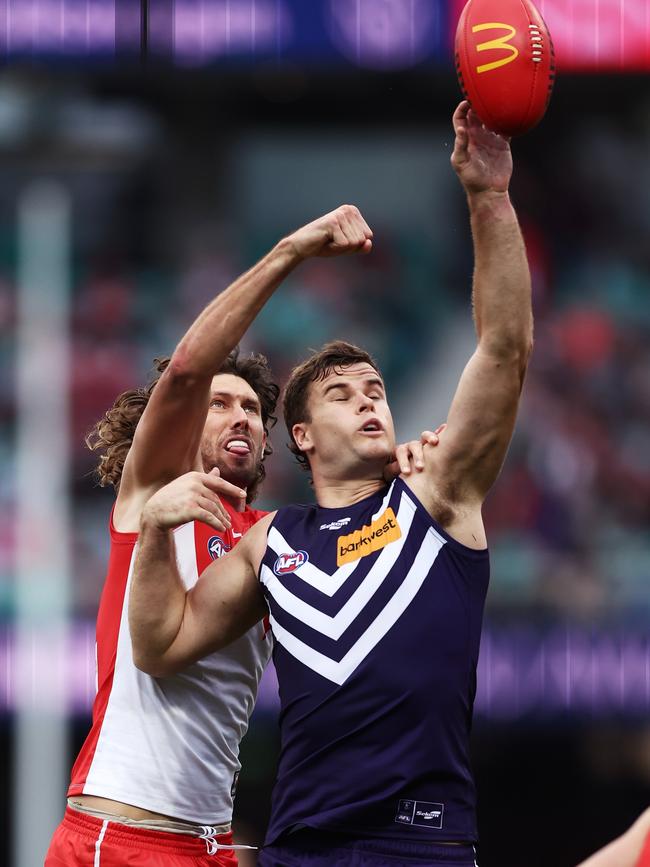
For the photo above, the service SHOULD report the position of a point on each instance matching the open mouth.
(238, 446)
(372, 426)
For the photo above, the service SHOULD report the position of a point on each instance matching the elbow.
(145, 664)
(526, 350)
(153, 666)
(514, 348)
(182, 371)
(511, 354)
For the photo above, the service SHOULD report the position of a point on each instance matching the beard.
(242, 473)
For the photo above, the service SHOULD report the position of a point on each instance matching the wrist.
(493, 202)
(477, 197)
(288, 254)
(153, 525)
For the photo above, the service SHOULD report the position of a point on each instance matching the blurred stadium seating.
(179, 181)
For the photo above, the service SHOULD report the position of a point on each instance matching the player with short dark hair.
(333, 355)
(376, 592)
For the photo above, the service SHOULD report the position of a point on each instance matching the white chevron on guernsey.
(314, 576)
(333, 626)
(339, 672)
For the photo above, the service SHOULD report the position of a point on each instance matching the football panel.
(464, 51)
(498, 46)
(502, 69)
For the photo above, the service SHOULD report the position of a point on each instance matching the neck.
(332, 493)
(237, 503)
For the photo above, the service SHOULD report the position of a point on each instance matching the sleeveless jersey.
(171, 744)
(376, 614)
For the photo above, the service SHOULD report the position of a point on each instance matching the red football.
(505, 63)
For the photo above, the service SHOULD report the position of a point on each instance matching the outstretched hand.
(335, 234)
(193, 497)
(481, 158)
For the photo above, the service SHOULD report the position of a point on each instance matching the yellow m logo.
(500, 42)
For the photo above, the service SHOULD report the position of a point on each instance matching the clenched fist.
(335, 234)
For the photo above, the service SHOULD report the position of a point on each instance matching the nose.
(239, 417)
(366, 404)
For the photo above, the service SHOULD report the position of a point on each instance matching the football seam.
(548, 46)
(534, 84)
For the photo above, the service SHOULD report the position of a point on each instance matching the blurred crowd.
(568, 521)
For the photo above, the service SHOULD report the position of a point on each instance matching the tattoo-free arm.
(180, 400)
(482, 414)
(171, 627)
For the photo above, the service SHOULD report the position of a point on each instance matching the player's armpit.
(225, 602)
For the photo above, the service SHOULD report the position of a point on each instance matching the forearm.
(502, 289)
(157, 598)
(225, 320)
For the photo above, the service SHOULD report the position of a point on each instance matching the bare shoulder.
(128, 508)
(132, 497)
(450, 506)
(253, 543)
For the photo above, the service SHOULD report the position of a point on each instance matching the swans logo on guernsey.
(290, 562)
(217, 547)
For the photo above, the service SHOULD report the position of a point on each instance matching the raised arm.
(179, 402)
(482, 414)
(170, 626)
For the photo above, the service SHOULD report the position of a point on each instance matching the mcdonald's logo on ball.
(505, 63)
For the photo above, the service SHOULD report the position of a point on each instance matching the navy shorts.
(321, 849)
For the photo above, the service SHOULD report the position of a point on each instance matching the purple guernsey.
(376, 614)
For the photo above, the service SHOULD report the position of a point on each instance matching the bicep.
(480, 424)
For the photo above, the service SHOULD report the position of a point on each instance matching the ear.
(302, 436)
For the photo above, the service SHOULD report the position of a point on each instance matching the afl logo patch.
(217, 547)
(290, 562)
